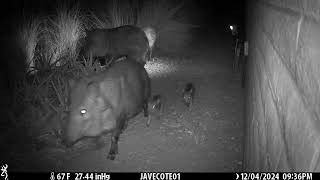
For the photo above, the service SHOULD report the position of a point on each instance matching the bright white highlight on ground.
(160, 68)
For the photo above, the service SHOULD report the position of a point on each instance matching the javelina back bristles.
(188, 95)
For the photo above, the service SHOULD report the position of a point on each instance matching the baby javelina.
(188, 95)
(155, 107)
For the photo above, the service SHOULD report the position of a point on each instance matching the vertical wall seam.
(315, 160)
(298, 30)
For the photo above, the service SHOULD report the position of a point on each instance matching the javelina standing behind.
(104, 102)
(188, 95)
(129, 41)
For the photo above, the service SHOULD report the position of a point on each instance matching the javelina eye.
(83, 112)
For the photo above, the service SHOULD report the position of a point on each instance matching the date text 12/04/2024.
(274, 176)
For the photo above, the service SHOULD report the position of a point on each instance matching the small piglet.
(105, 101)
(188, 95)
(155, 107)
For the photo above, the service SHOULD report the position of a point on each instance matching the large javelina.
(130, 41)
(104, 102)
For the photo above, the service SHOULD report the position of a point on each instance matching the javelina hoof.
(114, 146)
(111, 156)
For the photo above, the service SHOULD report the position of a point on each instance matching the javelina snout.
(104, 102)
(188, 95)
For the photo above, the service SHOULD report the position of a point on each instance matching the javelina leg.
(145, 109)
(148, 121)
(160, 109)
(114, 144)
(124, 126)
(149, 55)
(244, 72)
(190, 106)
(146, 113)
(191, 102)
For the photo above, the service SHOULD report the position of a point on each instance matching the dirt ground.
(208, 138)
